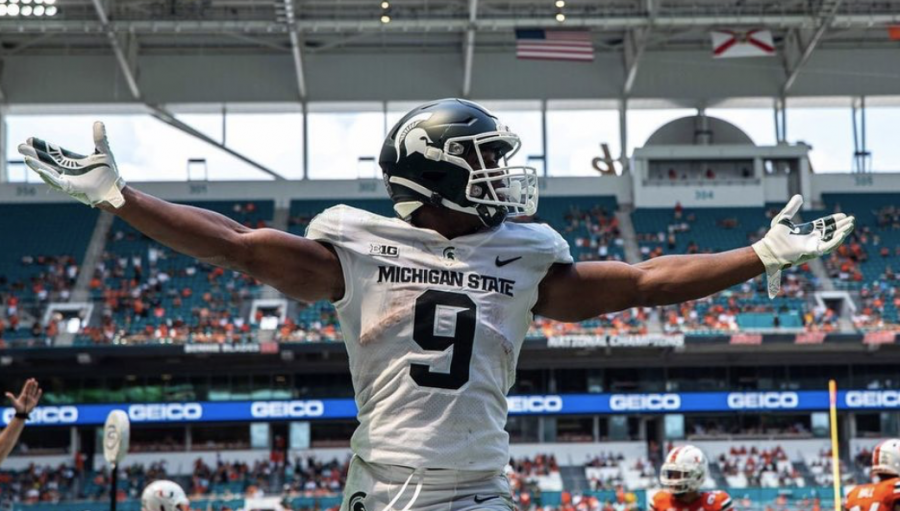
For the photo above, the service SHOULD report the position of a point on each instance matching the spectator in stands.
(23, 404)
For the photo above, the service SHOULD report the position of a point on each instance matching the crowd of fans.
(596, 233)
(38, 484)
(149, 294)
(753, 467)
(821, 468)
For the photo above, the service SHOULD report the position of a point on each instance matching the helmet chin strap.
(490, 216)
(406, 209)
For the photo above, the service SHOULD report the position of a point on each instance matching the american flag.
(555, 45)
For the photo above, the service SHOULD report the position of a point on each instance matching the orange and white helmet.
(886, 458)
(684, 470)
(164, 496)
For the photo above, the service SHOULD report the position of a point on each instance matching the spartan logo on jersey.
(357, 501)
(415, 140)
(450, 253)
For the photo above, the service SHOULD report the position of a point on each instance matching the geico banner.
(541, 404)
(193, 412)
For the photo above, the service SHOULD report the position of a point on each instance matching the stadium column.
(4, 177)
(544, 135)
(623, 133)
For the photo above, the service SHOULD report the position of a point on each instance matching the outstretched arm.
(23, 404)
(298, 267)
(576, 292)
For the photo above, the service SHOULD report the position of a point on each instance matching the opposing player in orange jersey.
(682, 475)
(884, 493)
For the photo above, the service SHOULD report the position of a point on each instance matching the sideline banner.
(544, 404)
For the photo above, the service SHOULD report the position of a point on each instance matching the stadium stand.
(40, 266)
(868, 263)
(745, 306)
(152, 294)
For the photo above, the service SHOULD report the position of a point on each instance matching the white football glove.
(787, 244)
(92, 179)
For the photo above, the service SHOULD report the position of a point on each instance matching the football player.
(164, 495)
(682, 475)
(434, 305)
(884, 493)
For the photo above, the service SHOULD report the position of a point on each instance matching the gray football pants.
(376, 487)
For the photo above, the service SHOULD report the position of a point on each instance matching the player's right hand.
(93, 179)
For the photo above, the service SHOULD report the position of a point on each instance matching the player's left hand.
(788, 244)
(28, 398)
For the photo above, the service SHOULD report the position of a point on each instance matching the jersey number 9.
(456, 314)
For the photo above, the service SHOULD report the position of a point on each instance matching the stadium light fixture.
(26, 10)
(39, 10)
(3, 9)
(560, 17)
(560, 4)
(385, 19)
(385, 5)
(13, 10)
(51, 11)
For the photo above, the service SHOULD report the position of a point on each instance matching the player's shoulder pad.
(717, 501)
(337, 224)
(538, 237)
(660, 501)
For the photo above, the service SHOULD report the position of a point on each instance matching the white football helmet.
(164, 496)
(886, 458)
(684, 470)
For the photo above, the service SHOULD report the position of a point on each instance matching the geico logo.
(644, 402)
(166, 412)
(764, 400)
(47, 415)
(873, 399)
(535, 404)
(287, 409)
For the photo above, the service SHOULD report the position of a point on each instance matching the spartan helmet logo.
(415, 140)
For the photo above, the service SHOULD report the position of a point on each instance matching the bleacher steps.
(629, 238)
(82, 292)
(574, 479)
(716, 473)
(803, 470)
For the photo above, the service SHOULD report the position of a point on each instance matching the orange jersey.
(665, 500)
(881, 496)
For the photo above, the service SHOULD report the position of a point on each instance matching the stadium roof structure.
(189, 51)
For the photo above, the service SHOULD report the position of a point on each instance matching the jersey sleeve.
(891, 497)
(723, 501)
(556, 247)
(331, 226)
(717, 501)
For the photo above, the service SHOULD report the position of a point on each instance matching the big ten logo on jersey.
(384, 251)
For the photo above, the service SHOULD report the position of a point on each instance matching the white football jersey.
(433, 329)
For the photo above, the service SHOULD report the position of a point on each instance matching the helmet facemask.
(678, 480)
(512, 189)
